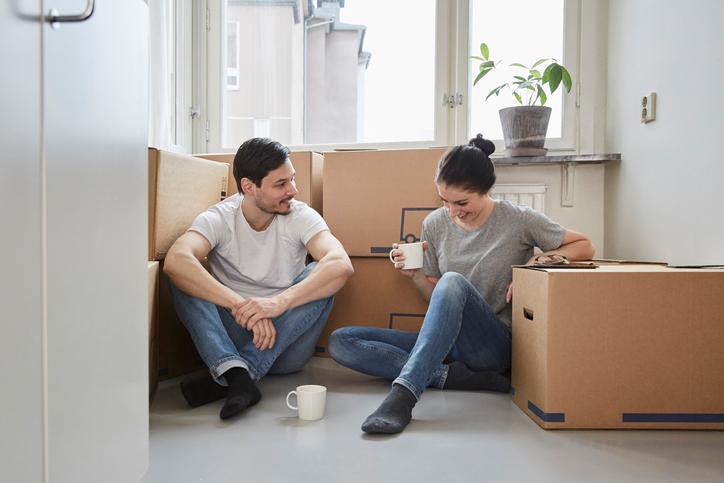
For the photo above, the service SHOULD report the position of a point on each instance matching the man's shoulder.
(223, 213)
(300, 209)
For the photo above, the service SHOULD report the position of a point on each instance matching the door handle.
(54, 17)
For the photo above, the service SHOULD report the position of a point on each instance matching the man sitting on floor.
(260, 310)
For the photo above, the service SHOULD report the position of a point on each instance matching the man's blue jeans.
(459, 326)
(223, 344)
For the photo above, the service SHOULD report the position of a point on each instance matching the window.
(520, 31)
(372, 73)
(323, 72)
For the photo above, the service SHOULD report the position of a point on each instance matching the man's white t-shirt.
(257, 263)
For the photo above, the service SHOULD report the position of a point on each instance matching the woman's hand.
(399, 260)
(544, 259)
(547, 259)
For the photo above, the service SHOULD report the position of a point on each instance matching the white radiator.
(532, 195)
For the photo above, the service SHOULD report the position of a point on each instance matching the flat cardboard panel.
(177, 354)
(307, 164)
(377, 295)
(152, 326)
(180, 187)
(375, 198)
(626, 346)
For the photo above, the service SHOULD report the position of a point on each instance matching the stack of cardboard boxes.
(373, 199)
(179, 188)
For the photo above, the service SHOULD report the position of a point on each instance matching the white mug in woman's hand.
(412, 253)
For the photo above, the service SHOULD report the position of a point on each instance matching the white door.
(76, 327)
(21, 400)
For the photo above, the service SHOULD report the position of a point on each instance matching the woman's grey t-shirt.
(484, 256)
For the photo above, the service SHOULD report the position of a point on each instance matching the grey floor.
(454, 437)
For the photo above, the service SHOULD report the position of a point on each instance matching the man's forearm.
(326, 279)
(187, 273)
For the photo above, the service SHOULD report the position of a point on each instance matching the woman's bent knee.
(340, 343)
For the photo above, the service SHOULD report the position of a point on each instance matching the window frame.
(181, 68)
(582, 41)
(235, 71)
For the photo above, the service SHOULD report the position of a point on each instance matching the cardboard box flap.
(180, 187)
(611, 261)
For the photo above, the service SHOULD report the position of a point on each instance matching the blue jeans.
(459, 326)
(223, 344)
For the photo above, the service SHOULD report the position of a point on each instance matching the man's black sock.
(394, 414)
(460, 377)
(200, 388)
(242, 394)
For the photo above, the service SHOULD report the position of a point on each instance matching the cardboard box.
(308, 166)
(377, 295)
(179, 188)
(152, 326)
(177, 354)
(619, 346)
(375, 198)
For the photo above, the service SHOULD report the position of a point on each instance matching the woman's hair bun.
(485, 145)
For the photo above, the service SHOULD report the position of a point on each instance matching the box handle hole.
(528, 314)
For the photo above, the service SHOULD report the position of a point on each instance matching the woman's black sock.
(460, 377)
(394, 414)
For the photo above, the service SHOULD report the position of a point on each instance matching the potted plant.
(525, 125)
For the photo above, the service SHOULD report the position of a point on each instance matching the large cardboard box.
(619, 346)
(177, 354)
(179, 188)
(375, 198)
(377, 295)
(152, 326)
(307, 164)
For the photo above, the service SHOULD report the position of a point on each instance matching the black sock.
(199, 389)
(242, 394)
(460, 377)
(394, 414)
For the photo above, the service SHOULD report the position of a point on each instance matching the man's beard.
(273, 211)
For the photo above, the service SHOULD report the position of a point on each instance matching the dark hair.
(256, 158)
(468, 166)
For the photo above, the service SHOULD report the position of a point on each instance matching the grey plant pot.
(524, 129)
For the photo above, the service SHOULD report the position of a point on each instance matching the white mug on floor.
(412, 253)
(310, 401)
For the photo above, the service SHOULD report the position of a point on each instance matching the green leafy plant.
(529, 88)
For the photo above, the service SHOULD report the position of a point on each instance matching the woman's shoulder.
(510, 209)
(435, 218)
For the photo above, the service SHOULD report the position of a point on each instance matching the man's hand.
(265, 334)
(249, 312)
(399, 259)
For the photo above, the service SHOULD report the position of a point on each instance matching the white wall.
(586, 214)
(665, 201)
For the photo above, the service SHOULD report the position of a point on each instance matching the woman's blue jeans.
(223, 344)
(459, 326)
